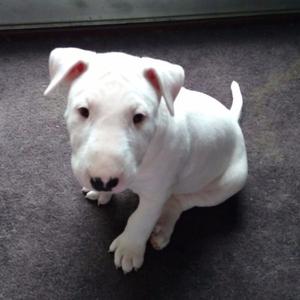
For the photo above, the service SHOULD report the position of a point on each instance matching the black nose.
(112, 183)
(98, 184)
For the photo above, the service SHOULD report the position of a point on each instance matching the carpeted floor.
(54, 243)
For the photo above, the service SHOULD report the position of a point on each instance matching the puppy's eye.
(84, 112)
(138, 118)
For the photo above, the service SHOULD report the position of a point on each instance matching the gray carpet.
(54, 243)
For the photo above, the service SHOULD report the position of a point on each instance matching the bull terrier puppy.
(128, 132)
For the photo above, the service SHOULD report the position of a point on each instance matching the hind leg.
(164, 227)
(213, 194)
(219, 190)
(232, 180)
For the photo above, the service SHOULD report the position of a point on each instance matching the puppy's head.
(113, 111)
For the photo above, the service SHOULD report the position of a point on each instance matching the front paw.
(128, 254)
(101, 197)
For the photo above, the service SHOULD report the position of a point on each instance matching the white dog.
(126, 132)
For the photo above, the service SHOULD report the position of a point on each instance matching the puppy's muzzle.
(100, 186)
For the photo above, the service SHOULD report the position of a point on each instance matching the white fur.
(195, 158)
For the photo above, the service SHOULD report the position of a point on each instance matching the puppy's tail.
(237, 102)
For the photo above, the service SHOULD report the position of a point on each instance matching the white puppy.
(126, 132)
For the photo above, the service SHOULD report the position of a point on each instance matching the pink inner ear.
(76, 70)
(151, 76)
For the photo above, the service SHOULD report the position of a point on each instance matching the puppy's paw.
(160, 237)
(128, 254)
(101, 197)
(84, 191)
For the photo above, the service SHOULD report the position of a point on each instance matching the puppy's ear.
(65, 65)
(166, 78)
